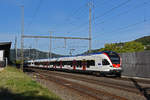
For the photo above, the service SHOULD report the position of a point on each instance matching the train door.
(98, 65)
(84, 64)
(61, 65)
(74, 64)
(47, 64)
(105, 65)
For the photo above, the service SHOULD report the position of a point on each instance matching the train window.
(57, 63)
(79, 63)
(90, 63)
(67, 63)
(62, 63)
(105, 62)
(114, 57)
(51, 63)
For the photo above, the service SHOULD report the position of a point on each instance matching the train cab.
(113, 61)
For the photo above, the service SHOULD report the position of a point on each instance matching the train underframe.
(116, 73)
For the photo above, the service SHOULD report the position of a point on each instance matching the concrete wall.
(136, 64)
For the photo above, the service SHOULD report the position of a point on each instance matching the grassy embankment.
(15, 85)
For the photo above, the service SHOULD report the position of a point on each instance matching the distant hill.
(144, 40)
(31, 54)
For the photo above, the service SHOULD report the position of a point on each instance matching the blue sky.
(112, 21)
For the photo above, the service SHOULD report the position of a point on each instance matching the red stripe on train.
(74, 65)
(84, 65)
(61, 65)
(116, 65)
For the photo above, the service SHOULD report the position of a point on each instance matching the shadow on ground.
(28, 70)
(145, 91)
(6, 94)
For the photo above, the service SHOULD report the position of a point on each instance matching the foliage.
(126, 47)
(144, 40)
(18, 61)
(29, 54)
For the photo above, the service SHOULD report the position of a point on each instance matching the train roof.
(91, 54)
(74, 56)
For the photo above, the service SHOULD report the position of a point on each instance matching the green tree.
(133, 47)
(126, 47)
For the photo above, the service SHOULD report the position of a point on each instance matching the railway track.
(60, 78)
(124, 87)
(137, 80)
(102, 83)
(96, 94)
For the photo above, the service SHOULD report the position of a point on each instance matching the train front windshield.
(114, 57)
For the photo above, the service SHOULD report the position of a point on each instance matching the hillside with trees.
(144, 40)
(137, 45)
(124, 47)
(30, 54)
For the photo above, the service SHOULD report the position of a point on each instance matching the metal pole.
(6, 62)
(36, 50)
(50, 46)
(90, 21)
(22, 40)
(65, 43)
(16, 49)
(30, 53)
(54, 37)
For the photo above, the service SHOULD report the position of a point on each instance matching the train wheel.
(96, 73)
(118, 75)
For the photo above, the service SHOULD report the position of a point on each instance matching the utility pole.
(71, 50)
(64, 43)
(16, 57)
(36, 50)
(30, 53)
(50, 46)
(90, 22)
(22, 34)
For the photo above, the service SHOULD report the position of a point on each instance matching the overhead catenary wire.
(102, 3)
(125, 12)
(130, 25)
(35, 14)
(126, 27)
(71, 30)
(112, 9)
(100, 16)
(74, 13)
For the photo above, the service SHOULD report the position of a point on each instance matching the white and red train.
(103, 63)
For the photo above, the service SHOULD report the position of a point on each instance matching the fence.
(136, 64)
